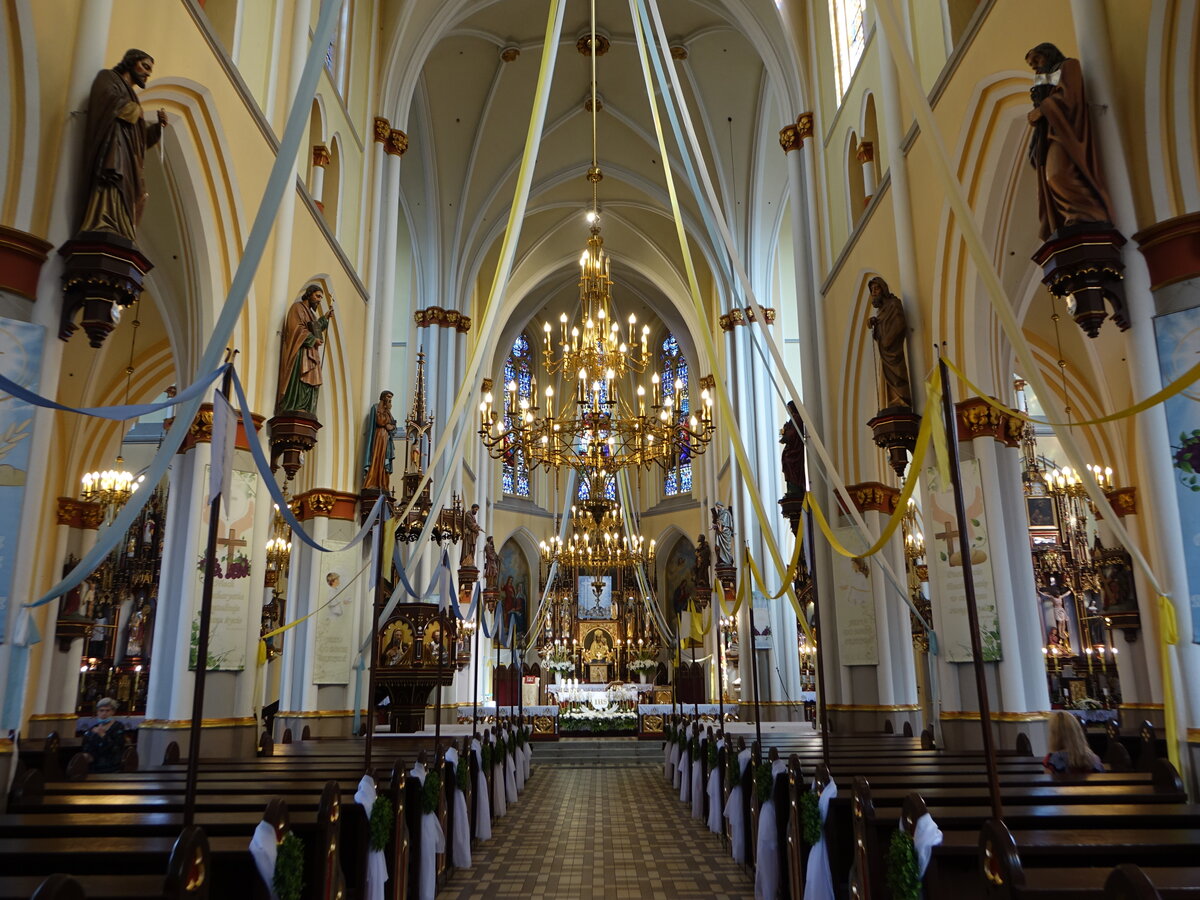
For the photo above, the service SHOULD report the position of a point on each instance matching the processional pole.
(206, 596)
(964, 550)
(753, 659)
(476, 662)
(376, 606)
(822, 708)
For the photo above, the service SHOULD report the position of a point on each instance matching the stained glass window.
(848, 24)
(517, 368)
(584, 492)
(674, 369)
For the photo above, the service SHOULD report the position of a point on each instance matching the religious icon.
(397, 644)
(1040, 511)
(598, 645)
(1059, 616)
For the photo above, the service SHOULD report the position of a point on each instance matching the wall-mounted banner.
(949, 596)
(854, 606)
(20, 362)
(232, 584)
(333, 648)
(1178, 336)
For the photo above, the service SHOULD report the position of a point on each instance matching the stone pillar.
(866, 158)
(229, 726)
(1156, 475)
(306, 698)
(385, 289)
(316, 187)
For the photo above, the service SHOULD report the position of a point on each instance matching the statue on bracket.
(491, 565)
(1070, 179)
(889, 328)
(791, 458)
(470, 536)
(379, 451)
(302, 355)
(1081, 257)
(703, 572)
(722, 525)
(103, 269)
(894, 428)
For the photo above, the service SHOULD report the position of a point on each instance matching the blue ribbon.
(279, 181)
(264, 470)
(114, 413)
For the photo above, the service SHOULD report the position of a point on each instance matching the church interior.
(641, 449)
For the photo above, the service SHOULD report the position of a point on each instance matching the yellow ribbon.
(789, 577)
(739, 595)
(262, 640)
(1178, 386)
(1169, 630)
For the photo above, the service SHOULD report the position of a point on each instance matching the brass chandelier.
(598, 426)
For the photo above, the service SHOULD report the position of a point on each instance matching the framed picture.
(1041, 513)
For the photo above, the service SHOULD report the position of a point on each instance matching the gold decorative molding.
(79, 513)
(708, 382)
(679, 52)
(873, 496)
(1171, 249)
(789, 138)
(383, 129)
(1193, 735)
(743, 315)
(872, 707)
(54, 717)
(1148, 706)
(445, 318)
(184, 724)
(972, 715)
(977, 418)
(324, 714)
(397, 143)
(1123, 501)
(321, 157)
(6, 746)
(486, 385)
(865, 152)
(22, 256)
(326, 503)
(200, 431)
(804, 122)
(510, 54)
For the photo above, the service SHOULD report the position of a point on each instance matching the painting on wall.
(680, 575)
(514, 584)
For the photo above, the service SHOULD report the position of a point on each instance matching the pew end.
(59, 887)
(171, 754)
(999, 863)
(188, 867)
(1129, 882)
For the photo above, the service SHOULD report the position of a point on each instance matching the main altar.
(596, 709)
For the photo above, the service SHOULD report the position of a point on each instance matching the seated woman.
(104, 742)
(1069, 751)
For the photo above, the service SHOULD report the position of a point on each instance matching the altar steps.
(597, 753)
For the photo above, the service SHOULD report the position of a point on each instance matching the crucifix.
(949, 536)
(232, 541)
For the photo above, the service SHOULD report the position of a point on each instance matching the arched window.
(518, 369)
(675, 385)
(848, 27)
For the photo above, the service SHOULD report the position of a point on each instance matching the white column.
(385, 292)
(1155, 474)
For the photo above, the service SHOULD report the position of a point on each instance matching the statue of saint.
(703, 578)
(1062, 150)
(491, 565)
(470, 537)
(301, 356)
(722, 524)
(379, 452)
(890, 330)
(795, 478)
(115, 145)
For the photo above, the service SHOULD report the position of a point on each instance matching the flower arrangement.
(644, 658)
(381, 823)
(591, 720)
(557, 658)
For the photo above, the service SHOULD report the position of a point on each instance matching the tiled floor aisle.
(616, 833)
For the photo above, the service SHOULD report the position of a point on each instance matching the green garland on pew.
(512, 745)
(383, 818)
(762, 782)
(429, 795)
(487, 757)
(682, 741)
(733, 771)
(462, 773)
(288, 878)
(902, 876)
(810, 818)
(712, 755)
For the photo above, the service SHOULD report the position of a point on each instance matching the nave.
(599, 821)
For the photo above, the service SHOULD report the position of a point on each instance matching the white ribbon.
(766, 858)
(818, 883)
(433, 842)
(483, 806)
(461, 838)
(377, 872)
(714, 795)
(265, 851)
(733, 811)
(926, 836)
